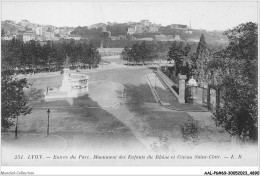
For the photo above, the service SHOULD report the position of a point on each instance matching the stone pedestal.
(182, 79)
(65, 81)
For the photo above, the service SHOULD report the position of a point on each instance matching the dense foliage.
(34, 57)
(139, 53)
(235, 68)
(183, 58)
(201, 60)
(231, 71)
(13, 100)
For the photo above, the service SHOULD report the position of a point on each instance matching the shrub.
(190, 131)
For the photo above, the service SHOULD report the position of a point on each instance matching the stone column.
(182, 79)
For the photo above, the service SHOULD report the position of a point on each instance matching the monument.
(73, 85)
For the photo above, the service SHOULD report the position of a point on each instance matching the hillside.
(12, 28)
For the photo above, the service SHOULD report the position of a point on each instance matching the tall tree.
(202, 59)
(13, 102)
(175, 53)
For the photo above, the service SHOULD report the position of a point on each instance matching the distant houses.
(143, 26)
(26, 36)
(26, 31)
(143, 30)
(179, 26)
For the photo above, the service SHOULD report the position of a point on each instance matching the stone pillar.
(182, 79)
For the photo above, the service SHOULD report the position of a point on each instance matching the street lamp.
(16, 127)
(48, 112)
(155, 82)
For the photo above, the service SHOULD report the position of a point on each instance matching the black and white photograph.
(129, 83)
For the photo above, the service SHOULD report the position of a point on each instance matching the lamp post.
(48, 112)
(155, 82)
(16, 127)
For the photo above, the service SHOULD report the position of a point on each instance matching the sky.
(203, 15)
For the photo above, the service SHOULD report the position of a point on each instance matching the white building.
(56, 30)
(26, 37)
(38, 31)
(131, 30)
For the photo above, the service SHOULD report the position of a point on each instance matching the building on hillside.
(179, 26)
(27, 36)
(145, 23)
(38, 31)
(31, 27)
(131, 30)
(188, 32)
(44, 29)
(154, 28)
(139, 28)
(65, 31)
(10, 21)
(56, 30)
(24, 23)
(22, 29)
(48, 35)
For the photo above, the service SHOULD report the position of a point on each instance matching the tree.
(238, 67)
(202, 59)
(175, 53)
(12, 53)
(93, 56)
(125, 54)
(14, 101)
(187, 61)
(139, 53)
(60, 55)
(146, 52)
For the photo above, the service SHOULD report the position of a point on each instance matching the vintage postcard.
(129, 83)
